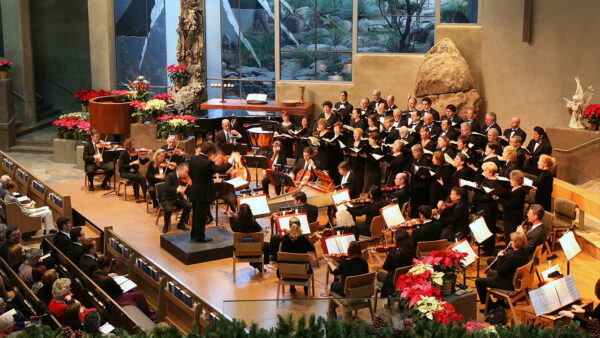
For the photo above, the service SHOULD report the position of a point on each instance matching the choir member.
(399, 119)
(430, 230)
(540, 144)
(406, 137)
(306, 163)
(472, 119)
(357, 162)
(298, 141)
(390, 105)
(400, 163)
(92, 156)
(544, 182)
(462, 170)
(513, 203)
(348, 179)
(323, 133)
(129, 167)
(400, 256)
(285, 128)
(225, 135)
(442, 180)
(377, 99)
(276, 158)
(330, 117)
(388, 133)
(490, 122)
(428, 123)
(333, 150)
(515, 130)
(516, 143)
(426, 142)
(370, 210)
(411, 107)
(420, 184)
(455, 215)
(448, 130)
(426, 104)
(414, 122)
(372, 124)
(509, 155)
(401, 194)
(365, 107)
(380, 113)
(462, 146)
(492, 150)
(506, 266)
(357, 121)
(443, 145)
(452, 116)
(372, 173)
(486, 203)
(156, 172)
(343, 108)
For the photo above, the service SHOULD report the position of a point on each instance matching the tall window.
(316, 40)
(240, 47)
(459, 11)
(396, 26)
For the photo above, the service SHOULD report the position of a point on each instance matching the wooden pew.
(23, 179)
(14, 216)
(60, 205)
(7, 165)
(37, 192)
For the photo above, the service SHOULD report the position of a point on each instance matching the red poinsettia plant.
(5, 65)
(178, 74)
(71, 124)
(447, 261)
(86, 95)
(167, 97)
(414, 286)
(592, 113)
(167, 117)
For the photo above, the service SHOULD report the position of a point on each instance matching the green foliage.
(450, 8)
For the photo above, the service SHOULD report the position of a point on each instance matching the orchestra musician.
(276, 157)
(372, 173)
(348, 179)
(174, 195)
(420, 184)
(540, 144)
(472, 119)
(486, 203)
(454, 215)
(490, 122)
(536, 235)
(515, 130)
(129, 166)
(401, 255)
(426, 104)
(301, 205)
(92, 156)
(343, 108)
(295, 242)
(156, 172)
(370, 210)
(225, 135)
(430, 230)
(201, 172)
(401, 194)
(365, 107)
(351, 266)
(330, 117)
(377, 99)
(171, 143)
(298, 141)
(306, 163)
(245, 222)
(513, 203)
(285, 128)
(451, 115)
(230, 198)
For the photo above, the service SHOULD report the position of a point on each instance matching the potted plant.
(154, 108)
(124, 95)
(592, 114)
(178, 75)
(139, 112)
(69, 125)
(4, 68)
(86, 95)
(448, 263)
(179, 127)
(141, 88)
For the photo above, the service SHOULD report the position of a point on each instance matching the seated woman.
(401, 255)
(15, 256)
(156, 173)
(506, 266)
(61, 298)
(28, 209)
(129, 166)
(352, 266)
(294, 242)
(45, 292)
(370, 210)
(105, 281)
(244, 222)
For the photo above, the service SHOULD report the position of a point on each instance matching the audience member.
(87, 262)
(75, 248)
(13, 237)
(32, 258)
(62, 239)
(45, 292)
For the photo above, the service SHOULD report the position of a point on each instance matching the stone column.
(17, 48)
(102, 44)
(7, 127)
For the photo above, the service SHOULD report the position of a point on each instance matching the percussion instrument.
(260, 138)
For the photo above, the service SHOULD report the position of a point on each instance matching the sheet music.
(237, 182)
(256, 113)
(332, 246)
(527, 182)
(567, 290)
(487, 190)
(464, 247)
(376, 156)
(569, 245)
(554, 295)
(448, 159)
(549, 292)
(480, 230)
(392, 215)
(344, 242)
(106, 328)
(258, 204)
(125, 283)
(341, 196)
(538, 301)
(553, 268)
(502, 178)
(284, 222)
(463, 183)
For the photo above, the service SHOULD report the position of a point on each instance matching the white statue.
(575, 107)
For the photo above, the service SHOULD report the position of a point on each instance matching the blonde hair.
(322, 123)
(418, 148)
(549, 161)
(295, 229)
(517, 175)
(519, 239)
(490, 166)
(510, 154)
(156, 154)
(439, 157)
(61, 288)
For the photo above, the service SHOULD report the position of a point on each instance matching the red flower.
(167, 117)
(164, 96)
(592, 112)
(447, 315)
(137, 104)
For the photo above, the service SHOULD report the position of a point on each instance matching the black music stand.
(219, 190)
(257, 162)
(282, 178)
(269, 125)
(228, 148)
(111, 156)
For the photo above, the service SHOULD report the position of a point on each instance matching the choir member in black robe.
(540, 144)
(334, 151)
(426, 104)
(452, 116)
(298, 141)
(365, 107)
(509, 155)
(486, 203)
(322, 148)
(400, 163)
(390, 106)
(443, 145)
(372, 173)
(516, 143)
(426, 142)
(448, 130)
(513, 204)
(357, 162)
(377, 99)
(462, 170)
(544, 182)
(372, 125)
(472, 119)
(442, 180)
(284, 130)
(343, 108)
(357, 121)
(328, 115)
(420, 184)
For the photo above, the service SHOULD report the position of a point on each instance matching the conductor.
(201, 172)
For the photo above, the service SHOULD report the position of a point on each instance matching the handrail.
(19, 95)
(60, 85)
(579, 146)
(6, 124)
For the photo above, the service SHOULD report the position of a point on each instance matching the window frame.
(438, 16)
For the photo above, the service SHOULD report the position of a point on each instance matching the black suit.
(513, 204)
(455, 121)
(201, 172)
(348, 268)
(430, 231)
(344, 112)
(301, 163)
(88, 264)
(434, 130)
(367, 112)
(451, 133)
(221, 139)
(312, 212)
(370, 210)
(170, 198)
(474, 125)
(456, 220)
(508, 133)
(535, 238)
(281, 160)
(89, 150)
(494, 126)
(506, 265)
(374, 104)
(62, 241)
(74, 252)
(544, 147)
(435, 113)
(402, 195)
(352, 184)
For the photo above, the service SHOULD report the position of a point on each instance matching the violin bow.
(172, 153)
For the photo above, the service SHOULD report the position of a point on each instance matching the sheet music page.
(448, 159)
(344, 241)
(342, 145)
(551, 295)
(237, 182)
(332, 246)
(465, 247)
(502, 178)
(528, 182)
(106, 328)
(258, 204)
(392, 215)
(538, 301)
(463, 183)
(284, 222)
(487, 190)
(569, 245)
(341, 196)
(377, 156)
(480, 230)
(567, 290)
(552, 269)
(125, 283)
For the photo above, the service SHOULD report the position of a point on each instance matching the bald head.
(515, 122)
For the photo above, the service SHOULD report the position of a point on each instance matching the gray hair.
(34, 253)
(492, 115)
(403, 177)
(378, 91)
(465, 124)
(5, 179)
(61, 288)
(493, 131)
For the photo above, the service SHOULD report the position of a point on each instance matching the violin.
(176, 151)
(362, 200)
(185, 181)
(169, 165)
(138, 152)
(447, 206)
(390, 189)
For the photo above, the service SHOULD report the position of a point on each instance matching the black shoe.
(292, 289)
(137, 200)
(105, 186)
(91, 188)
(165, 229)
(204, 240)
(182, 227)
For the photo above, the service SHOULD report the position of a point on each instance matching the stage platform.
(180, 245)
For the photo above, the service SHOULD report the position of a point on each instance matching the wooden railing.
(586, 201)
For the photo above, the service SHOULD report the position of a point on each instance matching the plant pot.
(65, 135)
(3, 74)
(76, 137)
(447, 288)
(140, 120)
(178, 87)
(164, 135)
(179, 137)
(84, 107)
(153, 120)
(110, 116)
(594, 126)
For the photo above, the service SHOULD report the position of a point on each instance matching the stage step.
(31, 149)
(589, 242)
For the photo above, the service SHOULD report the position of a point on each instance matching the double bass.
(240, 169)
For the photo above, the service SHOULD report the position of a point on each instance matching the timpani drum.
(260, 138)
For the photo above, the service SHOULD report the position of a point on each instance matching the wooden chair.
(28, 225)
(521, 282)
(294, 269)
(359, 290)
(537, 258)
(249, 252)
(160, 188)
(565, 212)
(379, 285)
(547, 223)
(424, 248)
(122, 181)
(377, 228)
(97, 172)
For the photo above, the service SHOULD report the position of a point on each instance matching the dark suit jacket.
(430, 231)
(451, 133)
(370, 210)
(88, 265)
(352, 184)
(220, 138)
(169, 193)
(474, 125)
(89, 152)
(245, 227)
(345, 112)
(457, 218)
(401, 194)
(544, 148)
(535, 238)
(281, 159)
(374, 104)
(435, 113)
(455, 121)
(434, 131)
(301, 163)
(351, 267)
(62, 241)
(544, 184)
(493, 125)
(107, 284)
(519, 132)
(367, 112)
(508, 264)
(312, 212)
(201, 172)
(74, 252)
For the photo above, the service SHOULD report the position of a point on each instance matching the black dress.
(513, 204)
(131, 172)
(489, 206)
(400, 163)
(334, 156)
(420, 187)
(287, 143)
(348, 267)
(322, 154)
(395, 259)
(440, 192)
(300, 143)
(464, 173)
(510, 166)
(372, 173)
(544, 184)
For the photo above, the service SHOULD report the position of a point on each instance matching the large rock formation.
(191, 53)
(445, 77)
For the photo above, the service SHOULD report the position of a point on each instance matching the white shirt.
(345, 178)
(537, 144)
